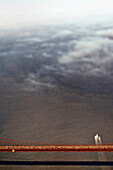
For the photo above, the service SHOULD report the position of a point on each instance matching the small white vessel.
(97, 139)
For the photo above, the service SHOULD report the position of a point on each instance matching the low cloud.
(84, 48)
(35, 82)
(90, 56)
(106, 33)
(63, 33)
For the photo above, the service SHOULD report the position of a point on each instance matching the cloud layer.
(49, 57)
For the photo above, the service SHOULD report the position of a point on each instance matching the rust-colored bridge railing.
(10, 145)
(64, 148)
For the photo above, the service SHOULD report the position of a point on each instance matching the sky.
(41, 10)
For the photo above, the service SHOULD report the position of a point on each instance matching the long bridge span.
(10, 145)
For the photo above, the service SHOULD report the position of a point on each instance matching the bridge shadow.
(59, 163)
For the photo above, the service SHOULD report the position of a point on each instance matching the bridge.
(11, 145)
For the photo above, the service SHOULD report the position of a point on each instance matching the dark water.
(52, 93)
